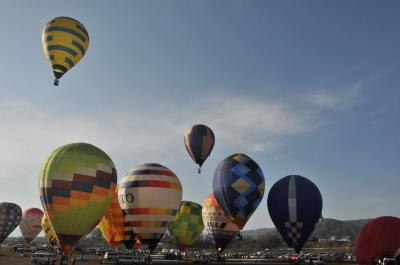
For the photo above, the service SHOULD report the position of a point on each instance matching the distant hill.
(331, 227)
(324, 229)
(259, 232)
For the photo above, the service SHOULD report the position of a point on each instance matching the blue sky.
(303, 87)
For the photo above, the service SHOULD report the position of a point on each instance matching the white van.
(43, 258)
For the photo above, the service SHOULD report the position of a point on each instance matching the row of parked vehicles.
(124, 258)
(44, 258)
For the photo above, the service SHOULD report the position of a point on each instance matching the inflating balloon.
(65, 41)
(107, 225)
(199, 142)
(137, 244)
(113, 227)
(379, 238)
(10, 216)
(238, 186)
(77, 182)
(218, 226)
(188, 225)
(31, 224)
(49, 230)
(295, 206)
(150, 196)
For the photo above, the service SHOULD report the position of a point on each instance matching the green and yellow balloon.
(188, 225)
(65, 41)
(77, 182)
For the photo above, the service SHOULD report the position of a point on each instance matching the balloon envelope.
(188, 225)
(238, 186)
(378, 238)
(65, 41)
(10, 216)
(150, 196)
(218, 226)
(295, 206)
(199, 142)
(77, 182)
(31, 224)
(113, 227)
(49, 230)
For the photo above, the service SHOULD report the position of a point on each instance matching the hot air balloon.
(65, 41)
(10, 216)
(295, 206)
(110, 234)
(150, 196)
(137, 244)
(218, 226)
(187, 226)
(199, 142)
(49, 230)
(77, 182)
(238, 186)
(113, 227)
(379, 238)
(31, 224)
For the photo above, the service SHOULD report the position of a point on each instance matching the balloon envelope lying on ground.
(295, 206)
(10, 216)
(188, 225)
(218, 226)
(77, 182)
(150, 196)
(31, 224)
(377, 239)
(238, 186)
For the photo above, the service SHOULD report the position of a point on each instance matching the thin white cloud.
(140, 134)
(337, 99)
(28, 132)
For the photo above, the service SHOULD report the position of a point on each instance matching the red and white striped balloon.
(31, 224)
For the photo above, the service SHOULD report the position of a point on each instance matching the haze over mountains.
(325, 229)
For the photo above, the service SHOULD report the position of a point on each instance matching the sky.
(302, 87)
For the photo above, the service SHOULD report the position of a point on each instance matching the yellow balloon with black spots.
(65, 41)
(49, 230)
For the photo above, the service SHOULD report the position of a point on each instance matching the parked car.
(389, 261)
(43, 258)
(128, 259)
(80, 258)
(17, 246)
(314, 260)
(201, 259)
(26, 252)
(173, 255)
(109, 258)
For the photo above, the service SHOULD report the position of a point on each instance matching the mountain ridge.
(325, 229)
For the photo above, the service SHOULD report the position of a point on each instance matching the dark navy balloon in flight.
(295, 206)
